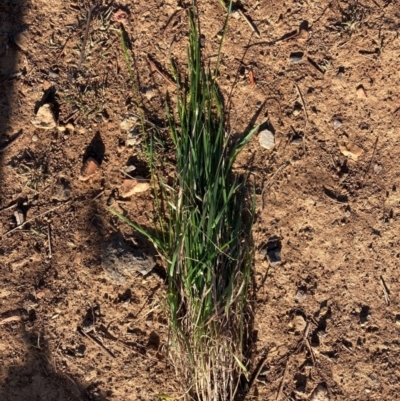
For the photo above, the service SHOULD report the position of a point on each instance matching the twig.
(307, 342)
(154, 65)
(98, 196)
(278, 396)
(305, 113)
(258, 370)
(347, 348)
(370, 162)
(174, 14)
(251, 25)
(385, 291)
(10, 319)
(9, 207)
(86, 36)
(97, 342)
(33, 218)
(49, 240)
(303, 103)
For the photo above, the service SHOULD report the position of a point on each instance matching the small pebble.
(129, 169)
(337, 123)
(111, 199)
(298, 323)
(98, 118)
(61, 128)
(128, 123)
(320, 393)
(61, 191)
(377, 168)
(149, 93)
(351, 150)
(23, 40)
(89, 169)
(297, 140)
(300, 296)
(274, 256)
(267, 139)
(340, 73)
(35, 138)
(19, 217)
(132, 138)
(296, 57)
(133, 186)
(81, 350)
(70, 127)
(46, 85)
(361, 94)
(235, 14)
(53, 75)
(303, 35)
(373, 379)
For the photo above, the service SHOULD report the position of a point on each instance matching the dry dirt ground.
(328, 192)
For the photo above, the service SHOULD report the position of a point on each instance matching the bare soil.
(327, 192)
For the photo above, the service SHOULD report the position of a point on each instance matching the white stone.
(267, 139)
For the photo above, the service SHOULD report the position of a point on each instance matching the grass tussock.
(205, 222)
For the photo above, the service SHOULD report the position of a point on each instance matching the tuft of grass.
(351, 19)
(204, 220)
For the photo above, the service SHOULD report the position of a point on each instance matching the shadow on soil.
(37, 380)
(34, 378)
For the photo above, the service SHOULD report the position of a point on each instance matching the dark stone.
(121, 261)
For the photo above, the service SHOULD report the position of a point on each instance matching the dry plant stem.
(305, 113)
(249, 23)
(49, 240)
(86, 36)
(385, 291)
(370, 162)
(154, 66)
(278, 396)
(258, 371)
(95, 341)
(33, 218)
(10, 319)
